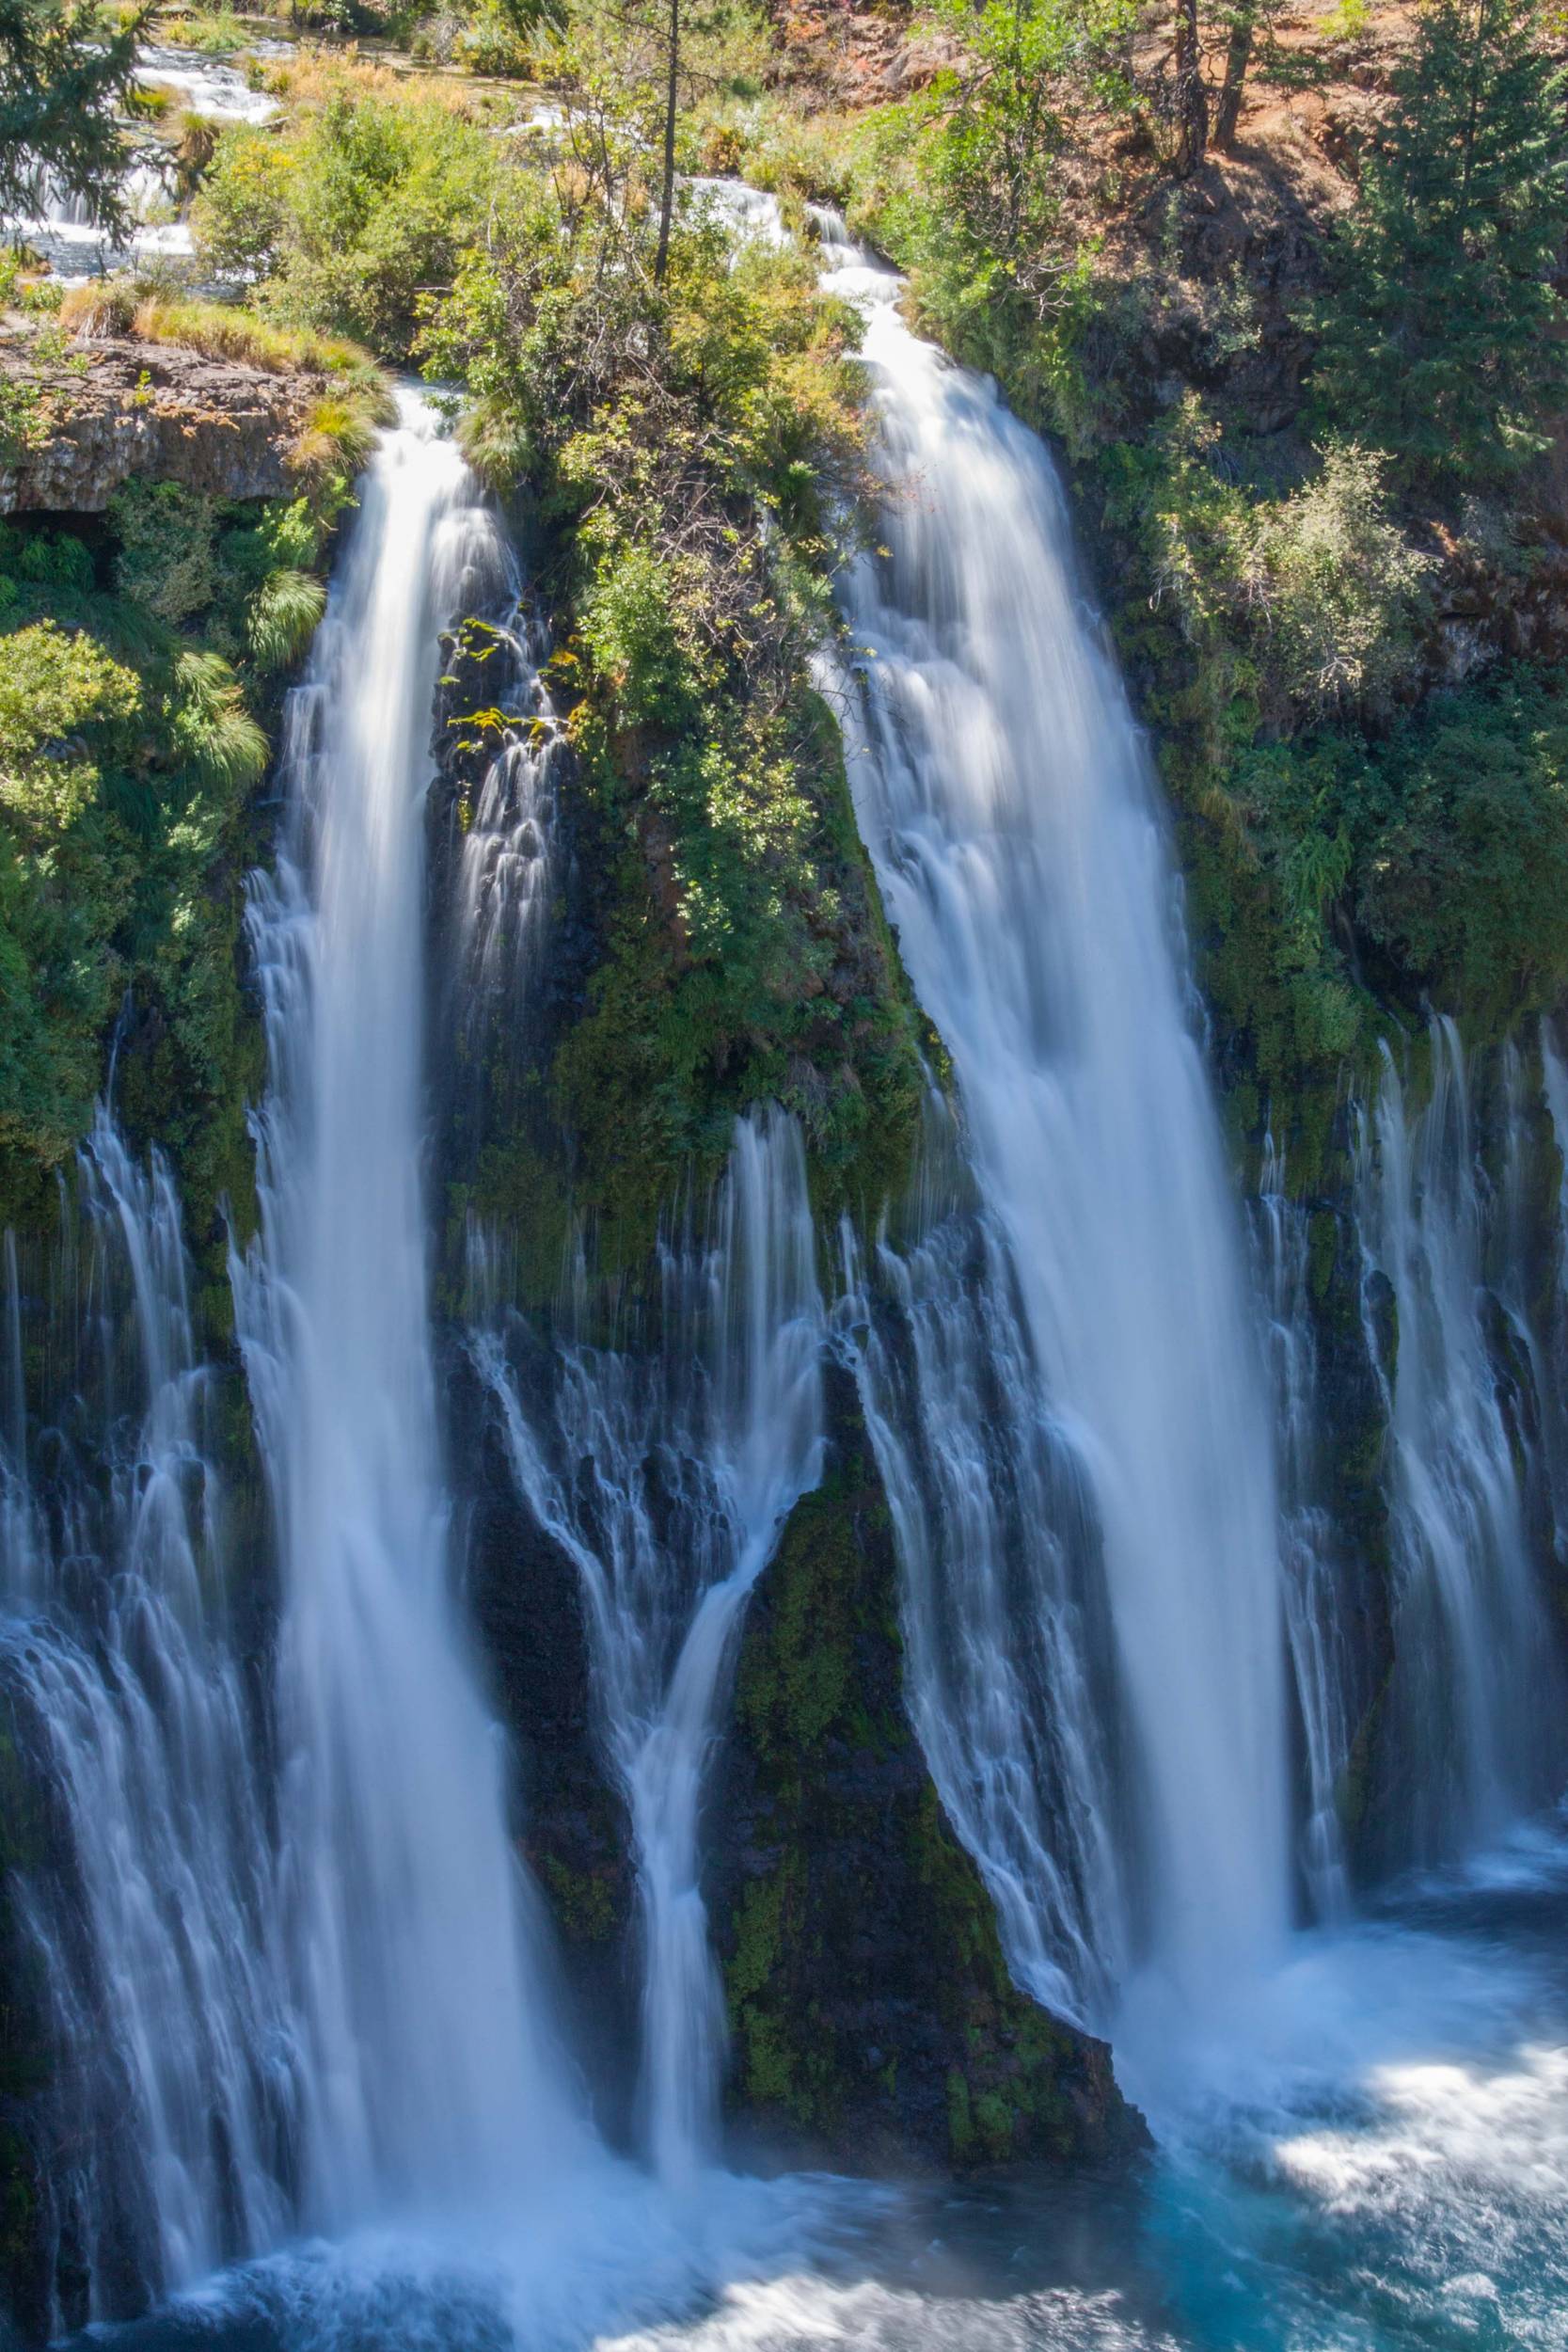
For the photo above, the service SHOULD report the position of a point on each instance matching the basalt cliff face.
(121, 409)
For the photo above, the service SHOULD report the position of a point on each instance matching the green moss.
(798, 997)
(18, 2200)
(23, 1837)
(121, 869)
(584, 1901)
(872, 1922)
(961, 2119)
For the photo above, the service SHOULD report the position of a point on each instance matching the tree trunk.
(1192, 103)
(1238, 56)
(667, 196)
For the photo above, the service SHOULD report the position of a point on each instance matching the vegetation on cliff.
(1308, 387)
(691, 439)
(143, 651)
(1308, 398)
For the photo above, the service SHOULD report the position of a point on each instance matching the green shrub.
(211, 727)
(168, 549)
(1464, 871)
(128, 756)
(1330, 590)
(60, 695)
(346, 220)
(240, 216)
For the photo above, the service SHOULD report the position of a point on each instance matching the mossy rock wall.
(873, 2019)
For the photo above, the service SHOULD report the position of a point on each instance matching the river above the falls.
(1375, 2157)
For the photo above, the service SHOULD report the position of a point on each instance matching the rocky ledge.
(76, 428)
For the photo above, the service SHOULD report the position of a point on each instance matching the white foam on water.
(803, 2312)
(203, 87)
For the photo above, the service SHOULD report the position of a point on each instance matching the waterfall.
(1554, 1071)
(431, 2086)
(1531, 1275)
(1011, 1681)
(1005, 798)
(665, 1472)
(137, 1847)
(1316, 1577)
(1474, 1698)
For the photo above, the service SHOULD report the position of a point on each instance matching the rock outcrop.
(124, 408)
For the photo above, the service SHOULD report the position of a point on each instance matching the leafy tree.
(977, 216)
(64, 73)
(1440, 339)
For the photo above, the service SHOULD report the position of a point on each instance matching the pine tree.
(64, 73)
(1439, 340)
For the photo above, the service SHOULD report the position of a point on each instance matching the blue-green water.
(1372, 2154)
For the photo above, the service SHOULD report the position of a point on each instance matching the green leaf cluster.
(347, 220)
(694, 447)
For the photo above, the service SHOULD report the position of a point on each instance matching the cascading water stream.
(1010, 1654)
(665, 1475)
(320, 2004)
(142, 1865)
(61, 226)
(431, 2084)
(1315, 1577)
(1554, 1072)
(1005, 796)
(1475, 1693)
(1528, 1265)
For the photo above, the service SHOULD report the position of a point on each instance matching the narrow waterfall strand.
(666, 1479)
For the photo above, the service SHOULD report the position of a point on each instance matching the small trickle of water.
(1316, 1578)
(666, 1476)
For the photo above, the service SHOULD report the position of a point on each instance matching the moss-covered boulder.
(872, 2014)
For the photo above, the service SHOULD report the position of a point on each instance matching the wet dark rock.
(874, 2021)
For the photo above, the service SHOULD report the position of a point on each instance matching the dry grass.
(98, 308)
(337, 436)
(219, 330)
(314, 76)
